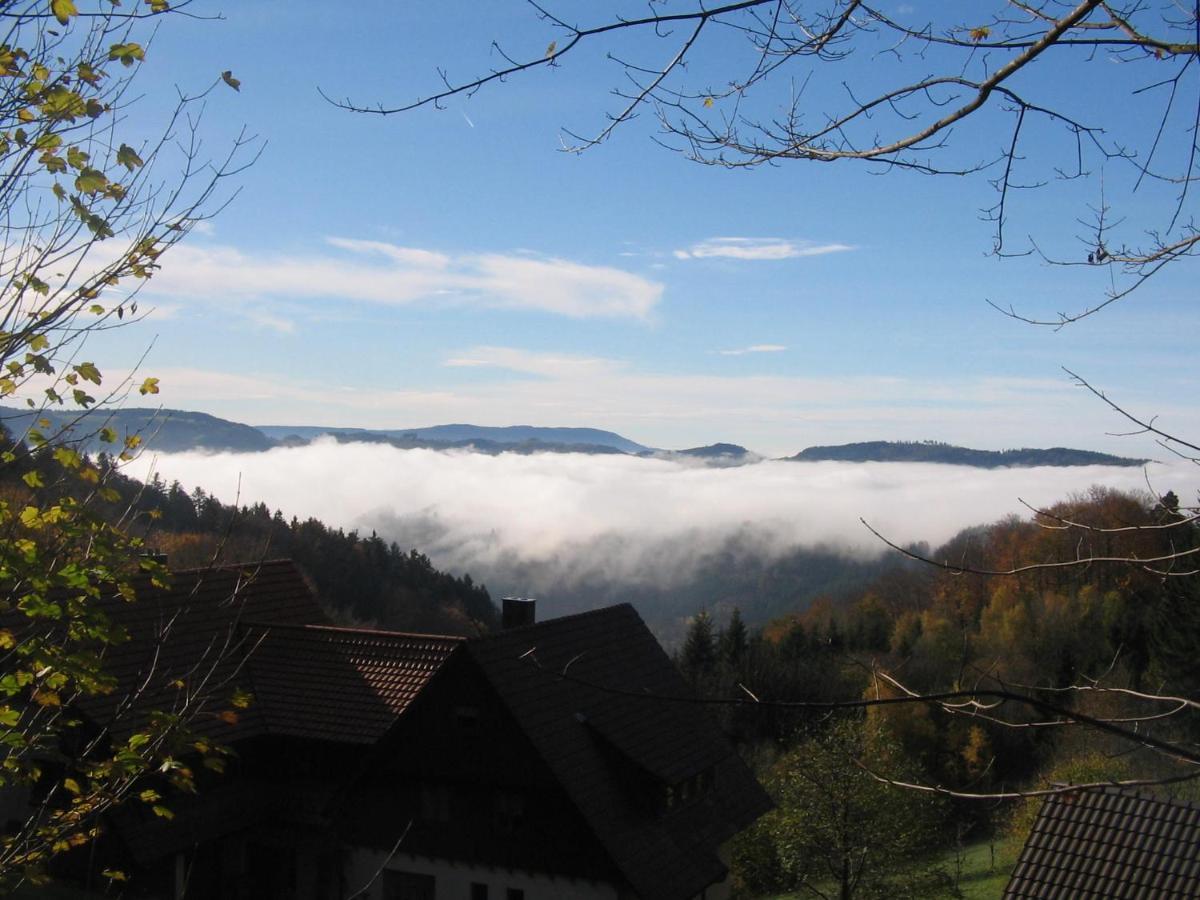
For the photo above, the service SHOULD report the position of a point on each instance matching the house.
(1110, 843)
(561, 759)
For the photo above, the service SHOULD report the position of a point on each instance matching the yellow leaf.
(708, 102)
(63, 10)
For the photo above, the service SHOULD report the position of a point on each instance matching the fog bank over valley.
(580, 530)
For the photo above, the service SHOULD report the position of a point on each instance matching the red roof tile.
(339, 684)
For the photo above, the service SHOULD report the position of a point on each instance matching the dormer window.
(466, 718)
(689, 790)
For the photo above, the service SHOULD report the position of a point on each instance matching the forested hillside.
(1091, 640)
(948, 454)
(359, 578)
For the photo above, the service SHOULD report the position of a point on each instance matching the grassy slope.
(977, 880)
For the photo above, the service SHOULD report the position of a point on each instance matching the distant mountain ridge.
(176, 431)
(165, 430)
(948, 454)
(462, 435)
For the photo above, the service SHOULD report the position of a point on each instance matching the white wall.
(454, 879)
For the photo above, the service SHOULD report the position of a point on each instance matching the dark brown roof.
(1110, 843)
(592, 736)
(259, 628)
(187, 642)
(339, 684)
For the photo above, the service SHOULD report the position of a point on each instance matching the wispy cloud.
(384, 273)
(548, 365)
(748, 248)
(775, 414)
(754, 348)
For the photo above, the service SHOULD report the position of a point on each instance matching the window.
(508, 808)
(435, 803)
(467, 719)
(408, 886)
(479, 891)
(684, 792)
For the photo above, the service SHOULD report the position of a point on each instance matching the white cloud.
(384, 273)
(754, 348)
(623, 518)
(550, 365)
(747, 248)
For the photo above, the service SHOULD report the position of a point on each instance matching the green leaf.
(39, 342)
(54, 164)
(127, 157)
(126, 54)
(62, 103)
(91, 181)
(88, 372)
(67, 457)
(227, 77)
(108, 435)
(64, 10)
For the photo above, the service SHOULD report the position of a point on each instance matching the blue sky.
(455, 265)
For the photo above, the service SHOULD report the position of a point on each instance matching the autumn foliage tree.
(90, 201)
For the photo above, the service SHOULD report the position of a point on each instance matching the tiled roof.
(191, 634)
(339, 684)
(259, 628)
(1110, 843)
(624, 694)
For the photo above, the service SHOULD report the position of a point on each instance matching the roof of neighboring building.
(1110, 843)
(622, 707)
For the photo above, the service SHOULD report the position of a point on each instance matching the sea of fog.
(627, 519)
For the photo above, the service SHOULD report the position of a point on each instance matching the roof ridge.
(601, 610)
(1139, 793)
(345, 629)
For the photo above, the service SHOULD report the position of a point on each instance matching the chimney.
(518, 611)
